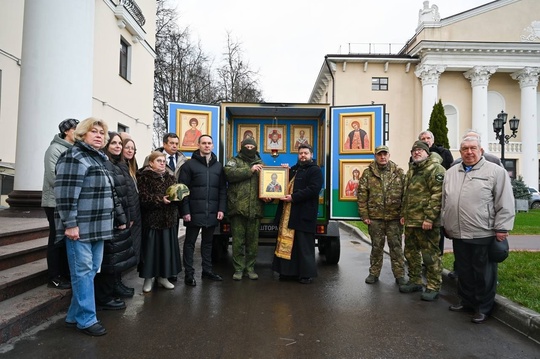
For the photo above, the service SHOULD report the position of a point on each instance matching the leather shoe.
(173, 279)
(114, 304)
(459, 308)
(121, 291)
(212, 276)
(479, 318)
(74, 325)
(95, 330)
(190, 281)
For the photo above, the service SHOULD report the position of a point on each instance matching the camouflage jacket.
(243, 189)
(380, 192)
(423, 193)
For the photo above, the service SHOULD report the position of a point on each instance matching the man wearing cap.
(380, 191)
(58, 269)
(421, 209)
(245, 209)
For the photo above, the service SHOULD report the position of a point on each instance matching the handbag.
(498, 250)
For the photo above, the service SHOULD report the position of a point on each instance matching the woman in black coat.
(118, 254)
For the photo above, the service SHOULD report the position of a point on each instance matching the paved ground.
(338, 316)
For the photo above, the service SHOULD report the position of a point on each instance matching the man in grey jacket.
(477, 209)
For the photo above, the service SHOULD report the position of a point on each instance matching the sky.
(286, 40)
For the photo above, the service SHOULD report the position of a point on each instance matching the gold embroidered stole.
(285, 234)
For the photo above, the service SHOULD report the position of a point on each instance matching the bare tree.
(182, 73)
(237, 82)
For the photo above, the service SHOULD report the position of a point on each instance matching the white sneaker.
(164, 282)
(147, 286)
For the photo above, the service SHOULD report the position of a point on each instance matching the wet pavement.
(338, 316)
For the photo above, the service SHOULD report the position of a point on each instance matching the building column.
(55, 84)
(528, 124)
(479, 77)
(430, 75)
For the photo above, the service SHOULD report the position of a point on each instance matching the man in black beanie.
(244, 207)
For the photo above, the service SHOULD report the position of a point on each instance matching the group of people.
(107, 216)
(469, 201)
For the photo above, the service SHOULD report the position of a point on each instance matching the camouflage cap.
(382, 148)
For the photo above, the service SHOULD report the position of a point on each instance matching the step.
(17, 280)
(29, 309)
(16, 254)
(14, 229)
(21, 235)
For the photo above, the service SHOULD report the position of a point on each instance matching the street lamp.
(498, 128)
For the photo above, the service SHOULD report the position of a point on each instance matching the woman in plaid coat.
(84, 218)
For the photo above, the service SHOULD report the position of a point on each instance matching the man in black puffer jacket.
(204, 207)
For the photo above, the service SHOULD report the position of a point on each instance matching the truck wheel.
(220, 246)
(332, 250)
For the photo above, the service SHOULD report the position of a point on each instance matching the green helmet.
(177, 192)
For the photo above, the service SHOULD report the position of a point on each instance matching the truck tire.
(220, 247)
(332, 250)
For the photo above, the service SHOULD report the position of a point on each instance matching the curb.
(517, 317)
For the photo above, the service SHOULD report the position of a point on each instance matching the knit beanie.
(421, 145)
(67, 125)
(249, 141)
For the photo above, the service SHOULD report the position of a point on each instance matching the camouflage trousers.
(379, 231)
(245, 242)
(423, 246)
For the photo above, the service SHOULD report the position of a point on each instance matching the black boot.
(120, 290)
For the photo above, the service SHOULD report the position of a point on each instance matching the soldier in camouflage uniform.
(244, 207)
(421, 211)
(379, 204)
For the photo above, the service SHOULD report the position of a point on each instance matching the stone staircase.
(25, 299)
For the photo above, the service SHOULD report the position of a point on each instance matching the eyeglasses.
(417, 150)
(160, 161)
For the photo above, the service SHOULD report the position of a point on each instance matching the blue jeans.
(84, 261)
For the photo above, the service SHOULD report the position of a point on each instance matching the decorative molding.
(528, 77)
(531, 33)
(479, 75)
(429, 74)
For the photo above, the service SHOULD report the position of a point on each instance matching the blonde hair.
(154, 155)
(86, 126)
(132, 163)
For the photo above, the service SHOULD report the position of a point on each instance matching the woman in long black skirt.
(160, 252)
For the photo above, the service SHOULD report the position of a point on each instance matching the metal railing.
(371, 48)
(134, 10)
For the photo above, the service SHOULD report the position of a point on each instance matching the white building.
(71, 59)
(478, 62)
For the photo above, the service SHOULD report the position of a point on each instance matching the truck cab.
(343, 141)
